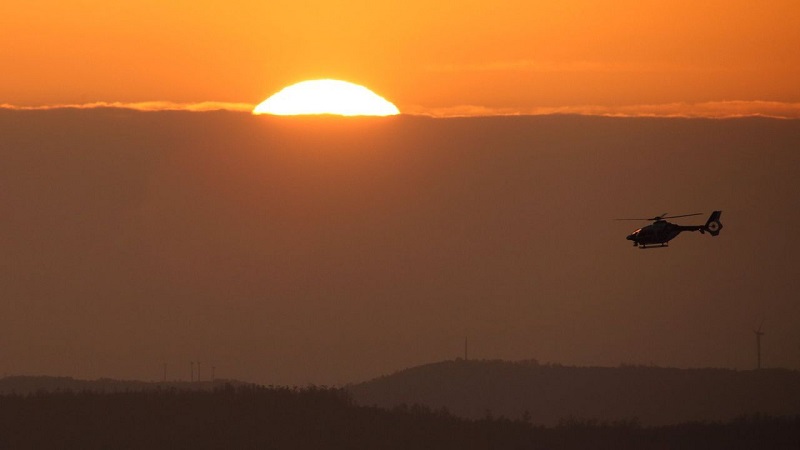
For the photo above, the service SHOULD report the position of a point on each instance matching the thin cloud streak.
(142, 106)
(527, 65)
(710, 110)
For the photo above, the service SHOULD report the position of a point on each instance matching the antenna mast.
(758, 333)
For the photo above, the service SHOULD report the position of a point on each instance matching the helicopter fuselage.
(659, 233)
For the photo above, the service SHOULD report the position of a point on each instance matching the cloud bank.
(143, 106)
(711, 110)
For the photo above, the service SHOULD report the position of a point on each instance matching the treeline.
(326, 418)
(22, 384)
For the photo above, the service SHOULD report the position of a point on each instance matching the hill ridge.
(549, 393)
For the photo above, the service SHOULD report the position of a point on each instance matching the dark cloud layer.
(328, 250)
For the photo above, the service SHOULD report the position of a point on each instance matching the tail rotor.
(713, 225)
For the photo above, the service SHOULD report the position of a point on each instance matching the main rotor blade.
(682, 215)
(633, 219)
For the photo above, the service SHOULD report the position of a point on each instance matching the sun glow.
(326, 97)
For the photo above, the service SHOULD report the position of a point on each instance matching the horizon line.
(725, 109)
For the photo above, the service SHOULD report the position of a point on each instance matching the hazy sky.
(464, 57)
(331, 250)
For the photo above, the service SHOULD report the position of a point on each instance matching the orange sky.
(424, 56)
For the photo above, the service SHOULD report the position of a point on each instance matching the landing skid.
(663, 245)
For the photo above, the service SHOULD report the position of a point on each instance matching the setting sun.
(326, 97)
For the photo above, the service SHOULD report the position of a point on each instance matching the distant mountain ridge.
(24, 384)
(547, 394)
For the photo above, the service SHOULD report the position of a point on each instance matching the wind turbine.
(758, 333)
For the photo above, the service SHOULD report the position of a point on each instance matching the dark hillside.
(550, 393)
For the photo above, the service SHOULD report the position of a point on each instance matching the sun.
(326, 97)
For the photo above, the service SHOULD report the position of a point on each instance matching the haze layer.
(333, 250)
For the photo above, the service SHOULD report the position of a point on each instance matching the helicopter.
(660, 232)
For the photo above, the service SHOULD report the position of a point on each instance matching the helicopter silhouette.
(660, 232)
